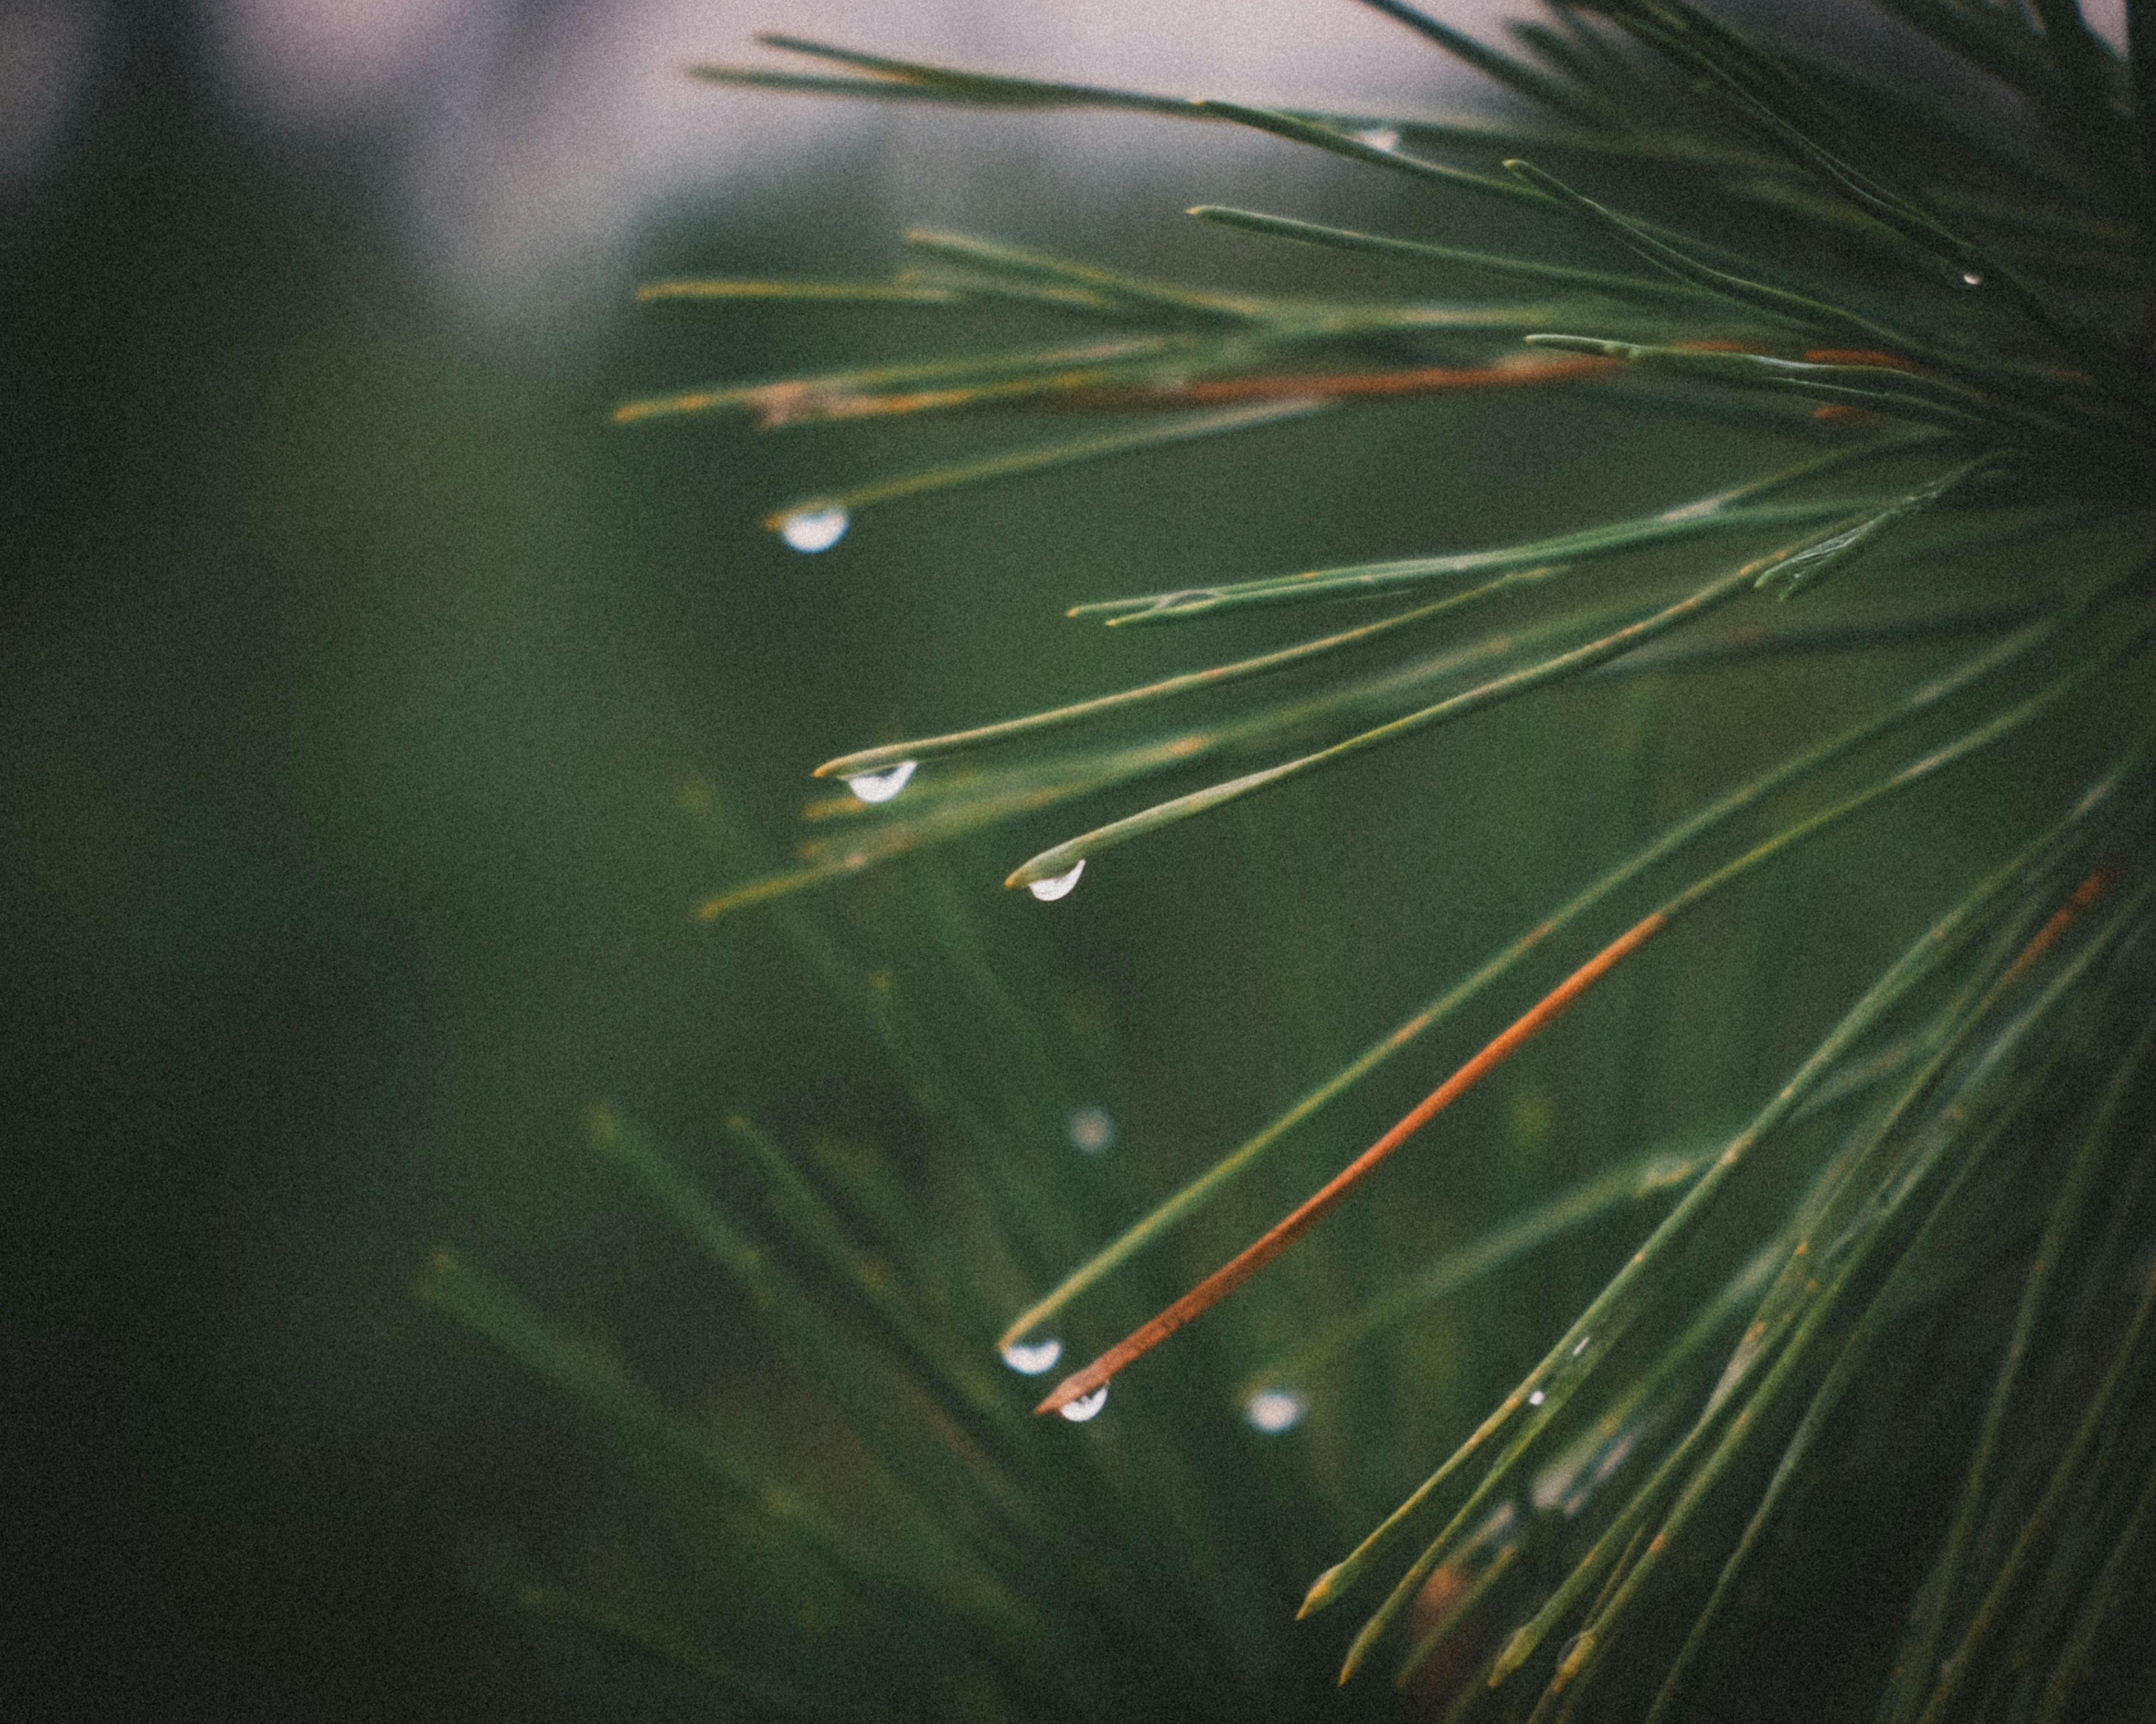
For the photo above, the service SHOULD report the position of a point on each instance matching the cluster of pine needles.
(1921, 1379)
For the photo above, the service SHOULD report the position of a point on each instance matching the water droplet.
(1085, 1405)
(1537, 1398)
(1031, 1358)
(1273, 1410)
(1582, 1347)
(1379, 137)
(815, 528)
(880, 787)
(1972, 277)
(1059, 885)
(1091, 1130)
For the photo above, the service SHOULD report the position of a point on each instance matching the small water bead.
(1091, 1130)
(1537, 1398)
(1059, 885)
(1273, 1410)
(1031, 1359)
(1085, 1405)
(881, 787)
(1972, 277)
(815, 529)
(1379, 137)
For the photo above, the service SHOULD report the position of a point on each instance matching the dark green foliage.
(1862, 1426)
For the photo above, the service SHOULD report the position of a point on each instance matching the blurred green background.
(355, 672)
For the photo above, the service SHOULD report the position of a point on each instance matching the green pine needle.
(1939, 1219)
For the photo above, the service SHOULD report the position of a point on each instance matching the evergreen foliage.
(1864, 1425)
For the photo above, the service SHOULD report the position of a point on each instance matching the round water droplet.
(1031, 1358)
(881, 787)
(1058, 886)
(814, 528)
(1273, 1410)
(1091, 1130)
(1379, 137)
(1085, 1405)
(1972, 277)
(1537, 1398)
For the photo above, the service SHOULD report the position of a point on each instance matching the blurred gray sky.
(525, 140)
(524, 136)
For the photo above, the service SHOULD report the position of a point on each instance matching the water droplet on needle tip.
(1057, 885)
(1031, 1358)
(1085, 1405)
(881, 787)
(814, 527)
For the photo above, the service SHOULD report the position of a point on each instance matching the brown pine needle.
(808, 400)
(1511, 372)
(2085, 894)
(1255, 1257)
